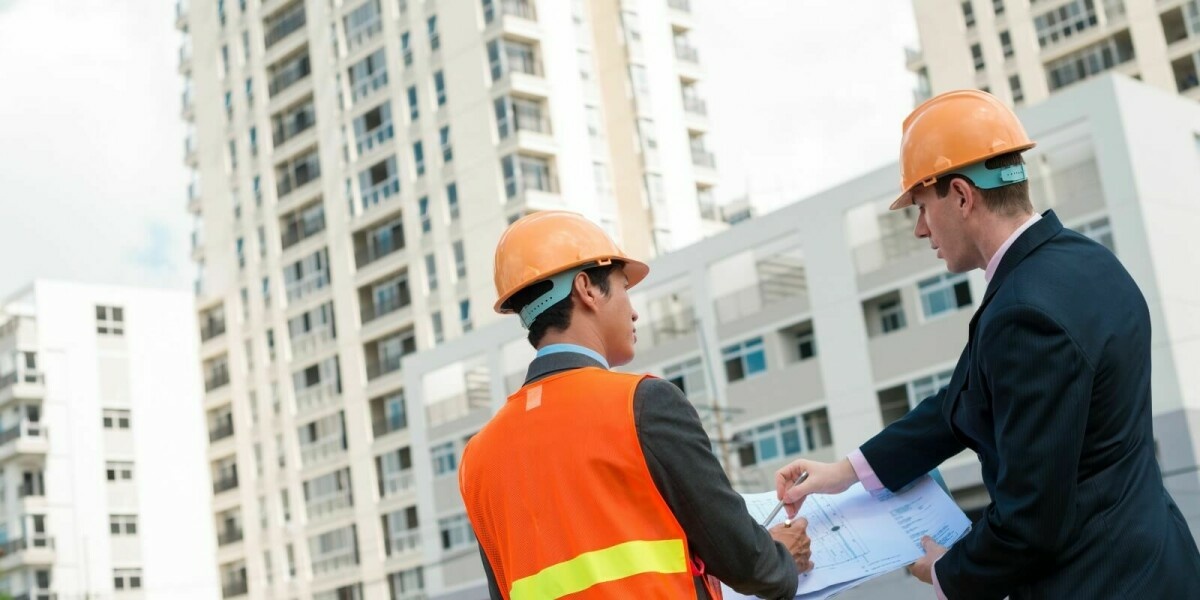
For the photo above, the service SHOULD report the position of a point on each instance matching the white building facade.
(804, 332)
(1024, 50)
(103, 488)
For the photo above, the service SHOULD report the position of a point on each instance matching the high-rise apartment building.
(1024, 50)
(804, 332)
(103, 489)
(354, 163)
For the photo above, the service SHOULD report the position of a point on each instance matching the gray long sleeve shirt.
(720, 532)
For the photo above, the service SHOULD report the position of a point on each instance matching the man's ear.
(965, 195)
(582, 288)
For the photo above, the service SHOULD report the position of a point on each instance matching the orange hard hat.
(955, 130)
(544, 244)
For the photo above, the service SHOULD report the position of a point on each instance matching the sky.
(802, 95)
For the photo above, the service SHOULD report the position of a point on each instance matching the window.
(439, 86)
(414, 110)
(1006, 44)
(1090, 61)
(368, 75)
(423, 212)
(523, 172)
(445, 458)
(891, 316)
(1065, 21)
(1014, 85)
(921, 388)
(406, 48)
(119, 470)
(249, 90)
(407, 583)
(773, 441)
(977, 56)
(122, 524)
(110, 320)
(744, 360)
(378, 182)
(435, 320)
(456, 532)
(506, 56)
(127, 579)
(447, 149)
(464, 315)
(430, 272)
(816, 429)
(452, 200)
(806, 345)
(1101, 231)
(419, 158)
(998, 7)
(363, 23)
(460, 260)
(333, 550)
(434, 39)
(689, 377)
(968, 14)
(115, 418)
(944, 293)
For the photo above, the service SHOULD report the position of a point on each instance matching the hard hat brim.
(634, 270)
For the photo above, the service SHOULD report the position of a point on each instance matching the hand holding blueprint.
(856, 536)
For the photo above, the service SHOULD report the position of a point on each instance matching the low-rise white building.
(805, 331)
(103, 487)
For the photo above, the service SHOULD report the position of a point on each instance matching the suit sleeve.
(720, 532)
(493, 587)
(911, 447)
(1040, 385)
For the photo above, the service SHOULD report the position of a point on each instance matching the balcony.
(229, 536)
(522, 9)
(322, 451)
(38, 550)
(317, 396)
(317, 280)
(22, 384)
(28, 438)
(233, 589)
(221, 431)
(298, 231)
(405, 541)
(181, 15)
(326, 506)
(773, 288)
(364, 33)
(306, 345)
(375, 138)
(687, 53)
(286, 77)
(475, 401)
(379, 192)
(281, 25)
(695, 114)
(360, 90)
(374, 308)
(388, 425)
(216, 379)
(703, 158)
(190, 155)
(226, 483)
(187, 106)
(914, 59)
(211, 329)
(397, 483)
(185, 59)
(37, 594)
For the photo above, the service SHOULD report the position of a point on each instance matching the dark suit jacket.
(1053, 393)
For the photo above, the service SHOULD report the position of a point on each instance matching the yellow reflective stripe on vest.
(599, 566)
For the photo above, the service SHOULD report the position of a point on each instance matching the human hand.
(794, 537)
(923, 568)
(823, 478)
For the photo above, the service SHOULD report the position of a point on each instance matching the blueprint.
(856, 536)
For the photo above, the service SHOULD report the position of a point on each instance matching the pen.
(778, 507)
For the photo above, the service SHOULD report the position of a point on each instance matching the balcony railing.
(406, 541)
(211, 329)
(310, 283)
(298, 231)
(386, 425)
(216, 379)
(381, 191)
(294, 124)
(312, 341)
(390, 304)
(225, 484)
(314, 397)
(23, 376)
(371, 252)
(375, 137)
(289, 75)
(322, 450)
(37, 594)
(686, 53)
(299, 174)
(19, 545)
(366, 87)
(284, 25)
(229, 536)
(221, 431)
(683, 5)
(24, 429)
(703, 158)
(695, 106)
(328, 505)
(234, 589)
(30, 490)
(363, 33)
(395, 483)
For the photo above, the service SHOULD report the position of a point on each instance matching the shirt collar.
(994, 263)
(556, 348)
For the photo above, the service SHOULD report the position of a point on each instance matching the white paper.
(856, 536)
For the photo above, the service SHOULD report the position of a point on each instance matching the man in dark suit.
(1052, 390)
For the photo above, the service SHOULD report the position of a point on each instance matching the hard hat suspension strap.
(560, 287)
(990, 179)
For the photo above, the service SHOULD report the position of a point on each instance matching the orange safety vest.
(561, 500)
